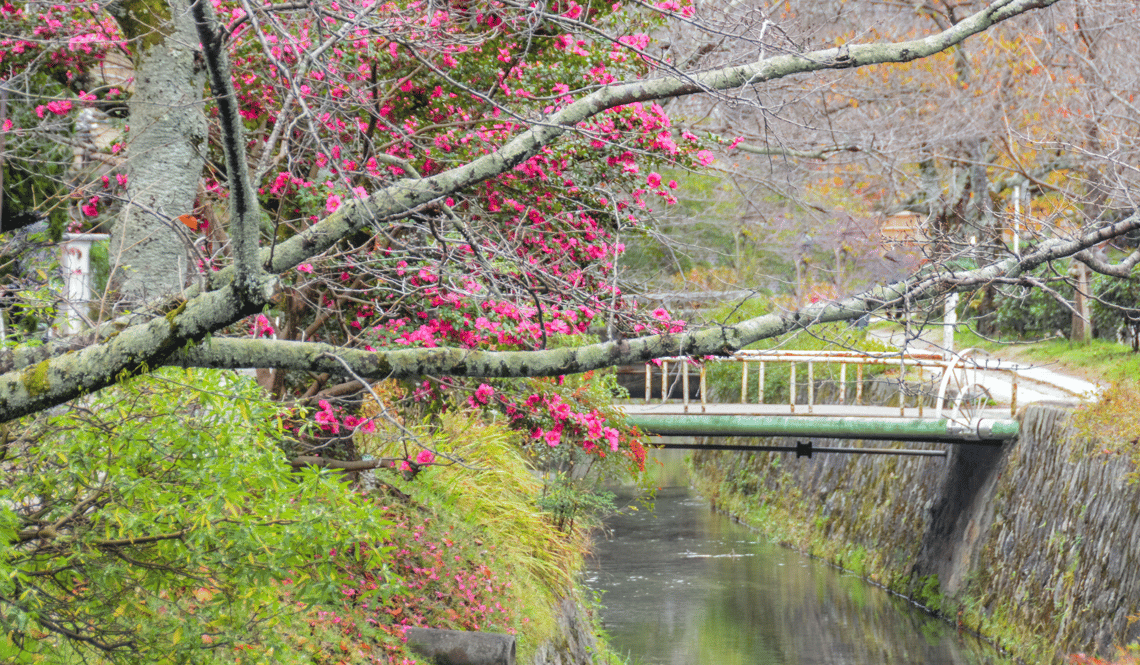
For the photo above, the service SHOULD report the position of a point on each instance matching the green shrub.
(160, 522)
(1116, 305)
(1023, 312)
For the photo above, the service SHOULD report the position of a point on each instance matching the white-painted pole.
(1017, 219)
(949, 321)
(75, 262)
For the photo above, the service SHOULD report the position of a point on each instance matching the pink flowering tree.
(345, 193)
(402, 192)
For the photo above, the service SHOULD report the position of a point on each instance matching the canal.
(681, 585)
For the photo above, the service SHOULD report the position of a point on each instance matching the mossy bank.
(1035, 544)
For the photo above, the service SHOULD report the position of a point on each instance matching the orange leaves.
(191, 222)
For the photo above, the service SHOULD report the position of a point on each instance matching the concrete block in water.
(458, 647)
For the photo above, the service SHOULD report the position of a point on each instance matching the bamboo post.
(811, 386)
(792, 387)
(704, 401)
(683, 367)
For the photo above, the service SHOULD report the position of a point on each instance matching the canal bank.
(1035, 545)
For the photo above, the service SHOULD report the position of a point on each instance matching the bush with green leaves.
(160, 522)
(1027, 313)
(1116, 307)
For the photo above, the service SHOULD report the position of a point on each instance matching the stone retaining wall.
(575, 643)
(1037, 542)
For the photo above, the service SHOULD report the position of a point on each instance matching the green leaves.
(165, 505)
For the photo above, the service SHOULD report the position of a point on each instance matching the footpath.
(1036, 383)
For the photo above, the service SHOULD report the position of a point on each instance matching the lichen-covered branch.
(719, 340)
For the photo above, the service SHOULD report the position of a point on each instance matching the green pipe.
(881, 429)
(800, 450)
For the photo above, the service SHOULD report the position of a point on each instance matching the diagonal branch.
(404, 196)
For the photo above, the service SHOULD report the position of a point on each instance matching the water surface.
(684, 586)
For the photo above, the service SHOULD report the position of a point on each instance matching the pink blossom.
(552, 438)
(660, 314)
(425, 457)
(58, 107)
(612, 438)
(332, 203)
(653, 179)
(483, 393)
(326, 418)
(91, 208)
(306, 268)
(705, 157)
(262, 327)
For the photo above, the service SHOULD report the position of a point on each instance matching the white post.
(1017, 218)
(949, 321)
(75, 262)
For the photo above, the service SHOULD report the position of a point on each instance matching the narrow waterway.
(682, 585)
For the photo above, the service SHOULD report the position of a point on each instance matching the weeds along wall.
(1035, 544)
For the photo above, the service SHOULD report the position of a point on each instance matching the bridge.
(953, 404)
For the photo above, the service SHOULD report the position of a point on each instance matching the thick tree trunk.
(165, 152)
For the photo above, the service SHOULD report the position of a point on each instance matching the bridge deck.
(816, 410)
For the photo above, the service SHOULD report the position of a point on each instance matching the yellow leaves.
(243, 407)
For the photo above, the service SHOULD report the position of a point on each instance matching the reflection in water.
(684, 586)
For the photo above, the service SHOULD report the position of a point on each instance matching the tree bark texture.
(166, 143)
